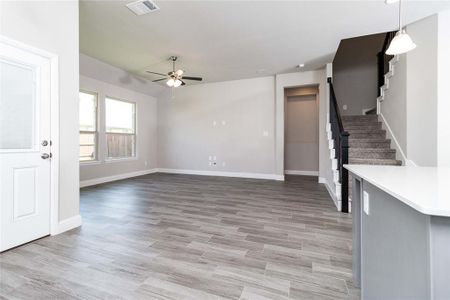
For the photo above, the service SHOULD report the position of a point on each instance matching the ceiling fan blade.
(158, 80)
(182, 82)
(192, 78)
(156, 73)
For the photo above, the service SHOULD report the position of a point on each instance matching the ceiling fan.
(174, 78)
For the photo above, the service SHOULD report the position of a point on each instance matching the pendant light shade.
(401, 43)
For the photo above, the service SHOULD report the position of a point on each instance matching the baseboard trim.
(101, 180)
(223, 174)
(333, 196)
(68, 224)
(303, 173)
(391, 135)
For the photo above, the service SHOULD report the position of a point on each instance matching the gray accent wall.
(355, 73)
(302, 131)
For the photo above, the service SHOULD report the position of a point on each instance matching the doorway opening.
(301, 130)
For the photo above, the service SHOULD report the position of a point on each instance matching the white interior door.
(24, 146)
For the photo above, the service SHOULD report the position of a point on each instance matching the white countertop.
(426, 189)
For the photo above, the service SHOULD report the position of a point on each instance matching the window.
(120, 128)
(88, 126)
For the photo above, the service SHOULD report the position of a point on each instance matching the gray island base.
(401, 242)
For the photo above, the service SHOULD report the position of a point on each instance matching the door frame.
(54, 125)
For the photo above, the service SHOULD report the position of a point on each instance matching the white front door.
(24, 146)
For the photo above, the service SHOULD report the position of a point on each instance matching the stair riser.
(360, 118)
(374, 126)
(366, 131)
(356, 144)
(368, 135)
(368, 162)
(378, 155)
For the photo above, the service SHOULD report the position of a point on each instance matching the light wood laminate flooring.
(165, 236)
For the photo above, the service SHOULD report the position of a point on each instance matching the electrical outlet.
(366, 202)
(146, 163)
(344, 107)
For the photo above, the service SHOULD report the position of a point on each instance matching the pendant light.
(402, 42)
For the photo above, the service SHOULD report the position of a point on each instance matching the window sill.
(125, 159)
(90, 163)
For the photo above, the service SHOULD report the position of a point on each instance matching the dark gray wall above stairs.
(355, 73)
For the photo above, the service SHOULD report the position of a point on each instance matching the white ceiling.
(226, 40)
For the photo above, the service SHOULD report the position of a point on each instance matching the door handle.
(46, 155)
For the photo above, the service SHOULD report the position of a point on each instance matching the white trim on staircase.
(391, 136)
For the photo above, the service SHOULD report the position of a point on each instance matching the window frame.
(96, 159)
(135, 134)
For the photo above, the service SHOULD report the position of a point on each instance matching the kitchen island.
(401, 231)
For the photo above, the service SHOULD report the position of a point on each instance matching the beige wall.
(232, 121)
(146, 119)
(301, 130)
(53, 26)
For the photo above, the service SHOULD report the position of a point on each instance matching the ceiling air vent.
(142, 7)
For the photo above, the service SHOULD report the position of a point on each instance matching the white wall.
(443, 85)
(421, 93)
(232, 121)
(146, 107)
(53, 26)
(416, 103)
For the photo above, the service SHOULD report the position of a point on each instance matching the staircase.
(368, 144)
(367, 141)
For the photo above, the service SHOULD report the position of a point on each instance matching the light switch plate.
(366, 202)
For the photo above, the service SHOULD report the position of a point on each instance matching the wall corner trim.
(223, 174)
(67, 224)
(100, 180)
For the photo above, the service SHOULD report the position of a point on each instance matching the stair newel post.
(380, 64)
(344, 171)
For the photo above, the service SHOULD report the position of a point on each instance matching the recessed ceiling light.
(390, 1)
(301, 65)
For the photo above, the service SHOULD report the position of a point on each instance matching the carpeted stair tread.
(373, 161)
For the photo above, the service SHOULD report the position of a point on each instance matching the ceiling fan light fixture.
(400, 44)
(170, 82)
(177, 83)
(179, 72)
